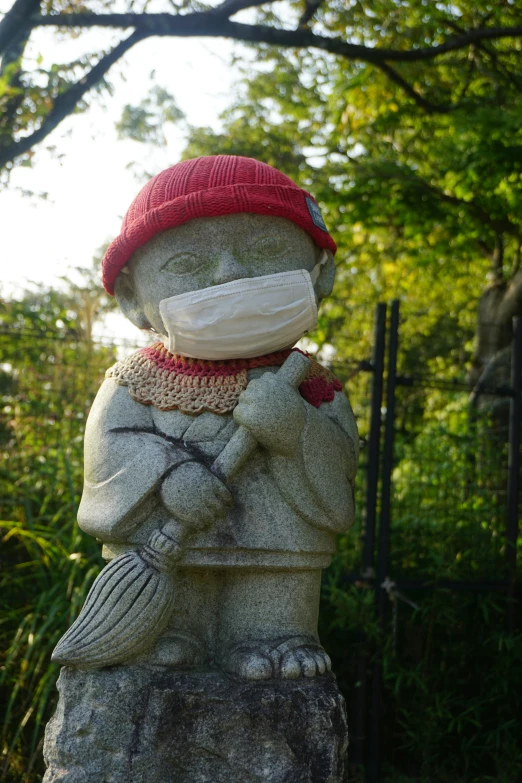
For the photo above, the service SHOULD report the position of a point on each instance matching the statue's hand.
(274, 413)
(192, 494)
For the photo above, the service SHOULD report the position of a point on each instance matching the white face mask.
(244, 318)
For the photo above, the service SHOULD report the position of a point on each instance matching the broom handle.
(165, 546)
(242, 444)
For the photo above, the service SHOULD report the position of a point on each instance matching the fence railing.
(378, 534)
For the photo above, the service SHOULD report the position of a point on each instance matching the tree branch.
(15, 41)
(202, 23)
(231, 7)
(516, 260)
(15, 21)
(491, 53)
(497, 259)
(497, 225)
(408, 89)
(67, 101)
(311, 6)
(214, 23)
(511, 304)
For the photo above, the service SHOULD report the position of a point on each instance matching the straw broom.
(131, 601)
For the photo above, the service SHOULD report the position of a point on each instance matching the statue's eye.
(184, 264)
(270, 247)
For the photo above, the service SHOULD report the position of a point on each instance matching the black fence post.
(515, 421)
(359, 726)
(374, 438)
(374, 745)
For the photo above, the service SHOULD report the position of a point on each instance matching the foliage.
(413, 151)
(424, 206)
(452, 676)
(50, 372)
(145, 123)
(416, 162)
(451, 673)
(436, 57)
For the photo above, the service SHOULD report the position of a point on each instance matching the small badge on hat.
(315, 214)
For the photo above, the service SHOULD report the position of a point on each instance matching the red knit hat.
(210, 187)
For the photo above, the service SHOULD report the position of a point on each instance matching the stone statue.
(219, 462)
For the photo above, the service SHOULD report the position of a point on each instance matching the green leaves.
(416, 200)
(50, 372)
(145, 122)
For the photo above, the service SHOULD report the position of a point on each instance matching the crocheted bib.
(168, 381)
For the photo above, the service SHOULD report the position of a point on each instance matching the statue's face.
(211, 251)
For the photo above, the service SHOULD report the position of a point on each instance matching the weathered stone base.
(141, 724)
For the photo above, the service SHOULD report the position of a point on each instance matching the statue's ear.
(127, 299)
(325, 281)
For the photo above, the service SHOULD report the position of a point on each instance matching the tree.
(411, 108)
(425, 206)
(420, 48)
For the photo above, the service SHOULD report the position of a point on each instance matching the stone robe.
(287, 510)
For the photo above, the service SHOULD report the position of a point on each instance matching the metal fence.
(492, 496)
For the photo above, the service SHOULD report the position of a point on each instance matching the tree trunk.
(490, 376)
(498, 305)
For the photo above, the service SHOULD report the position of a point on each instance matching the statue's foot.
(175, 650)
(251, 661)
(302, 657)
(297, 656)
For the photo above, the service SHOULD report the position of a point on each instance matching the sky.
(90, 185)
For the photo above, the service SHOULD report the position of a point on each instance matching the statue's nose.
(228, 269)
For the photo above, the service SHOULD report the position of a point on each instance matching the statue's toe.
(249, 661)
(300, 656)
(287, 658)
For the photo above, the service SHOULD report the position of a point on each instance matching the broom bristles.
(126, 610)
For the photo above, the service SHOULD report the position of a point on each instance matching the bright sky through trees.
(88, 181)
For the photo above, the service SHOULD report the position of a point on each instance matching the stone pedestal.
(140, 724)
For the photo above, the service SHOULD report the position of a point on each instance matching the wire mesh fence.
(443, 566)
